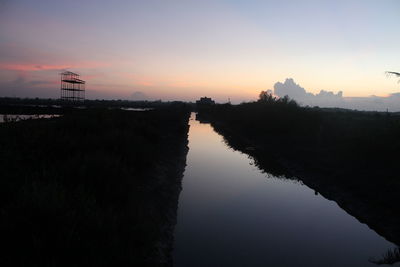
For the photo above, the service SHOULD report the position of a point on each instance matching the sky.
(182, 50)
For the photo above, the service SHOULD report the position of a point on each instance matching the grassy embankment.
(348, 156)
(91, 188)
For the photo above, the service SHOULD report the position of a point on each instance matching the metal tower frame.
(72, 88)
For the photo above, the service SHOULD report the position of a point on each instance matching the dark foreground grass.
(91, 188)
(391, 257)
(348, 156)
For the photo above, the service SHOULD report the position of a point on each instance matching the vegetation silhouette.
(392, 73)
(348, 156)
(95, 187)
(391, 257)
(12, 105)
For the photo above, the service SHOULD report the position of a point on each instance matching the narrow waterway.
(232, 214)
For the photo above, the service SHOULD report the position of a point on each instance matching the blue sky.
(185, 49)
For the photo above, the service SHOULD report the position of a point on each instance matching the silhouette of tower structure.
(72, 87)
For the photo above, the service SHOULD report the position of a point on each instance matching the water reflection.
(232, 214)
(137, 109)
(20, 117)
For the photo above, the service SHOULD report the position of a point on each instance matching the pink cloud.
(40, 67)
(31, 67)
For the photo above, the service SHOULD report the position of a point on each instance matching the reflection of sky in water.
(231, 214)
(19, 117)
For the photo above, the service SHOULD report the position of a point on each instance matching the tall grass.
(391, 257)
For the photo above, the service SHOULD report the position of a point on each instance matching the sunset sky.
(181, 50)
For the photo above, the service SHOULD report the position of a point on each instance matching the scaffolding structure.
(72, 88)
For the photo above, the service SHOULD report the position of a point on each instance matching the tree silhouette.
(392, 73)
(266, 97)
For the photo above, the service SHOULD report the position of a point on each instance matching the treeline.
(94, 187)
(13, 105)
(329, 149)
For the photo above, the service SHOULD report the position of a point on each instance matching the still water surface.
(21, 117)
(232, 214)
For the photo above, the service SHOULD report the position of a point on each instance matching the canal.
(232, 214)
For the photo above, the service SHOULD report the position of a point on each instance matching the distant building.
(205, 101)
